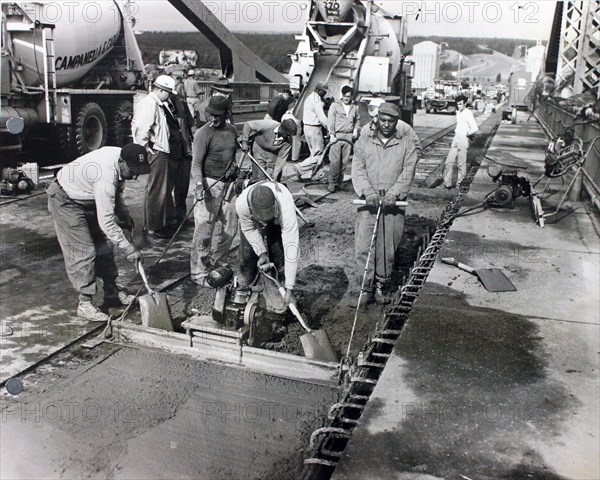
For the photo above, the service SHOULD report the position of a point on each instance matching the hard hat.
(262, 203)
(136, 158)
(321, 86)
(166, 83)
(191, 73)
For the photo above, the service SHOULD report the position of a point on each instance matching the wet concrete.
(488, 385)
(126, 413)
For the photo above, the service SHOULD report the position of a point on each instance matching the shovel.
(315, 343)
(493, 279)
(154, 306)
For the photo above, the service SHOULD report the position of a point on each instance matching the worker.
(213, 171)
(279, 105)
(271, 144)
(403, 129)
(343, 130)
(383, 170)
(180, 123)
(179, 88)
(193, 92)
(86, 203)
(466, 127)
(314, 119)
(221, 88)
(269, 241)
(150, 130)
(296, 142)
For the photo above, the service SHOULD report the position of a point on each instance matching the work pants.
(86, 250)
(211, 245)
(267, 160)
(249, 269)
(389, 234)
(339, 155)
(457, 155)
(181, 187)
(158, 205)
(316, 145)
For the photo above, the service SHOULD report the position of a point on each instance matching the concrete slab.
(495, 385)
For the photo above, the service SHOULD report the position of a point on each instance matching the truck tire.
(121, 120)
(90, 128)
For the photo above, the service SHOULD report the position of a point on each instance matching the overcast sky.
(505, 18)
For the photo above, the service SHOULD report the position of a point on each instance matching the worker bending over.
(383, 170)
(269, 239)
(86, 203)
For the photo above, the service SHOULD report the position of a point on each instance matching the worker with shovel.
(383, 169)
(86, 204)
(269, 242)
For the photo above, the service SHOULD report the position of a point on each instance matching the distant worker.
(383, 170)
(271, 144)
(179, 88)
(213, 172)
(279, 105)
(343, 130)
(296, 142)
(221, 88)
(314, 119)
(151, 130)
(89, 213)
(193, 92)
(269, 239)
(466, 127)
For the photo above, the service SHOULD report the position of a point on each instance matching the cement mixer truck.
(356, 43)
(69, 74)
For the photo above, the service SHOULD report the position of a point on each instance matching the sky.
(505, 18)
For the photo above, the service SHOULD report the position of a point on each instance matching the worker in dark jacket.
(213, 171)
(383, 169)
(86, 204)
(271, 144)
(279, 105)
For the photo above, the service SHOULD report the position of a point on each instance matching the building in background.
(426, 56)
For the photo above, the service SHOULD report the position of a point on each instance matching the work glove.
(245, 146)
(389, 200)
(289, 297)
(126, 222)
(372, 200)
(199, 191)
(263, 263)
(135, 257)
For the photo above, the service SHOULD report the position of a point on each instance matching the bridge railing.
(557, 119)
(248, 93)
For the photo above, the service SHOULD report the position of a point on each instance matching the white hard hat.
(376, 102)
(191, 73)
(166, 83)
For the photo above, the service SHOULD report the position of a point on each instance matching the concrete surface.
(495, 385)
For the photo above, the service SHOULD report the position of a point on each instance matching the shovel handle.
(456, 263)
(144, 278)
(359, 201)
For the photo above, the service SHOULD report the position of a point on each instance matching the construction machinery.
(355, 43)
(69, 72)
(444, 98)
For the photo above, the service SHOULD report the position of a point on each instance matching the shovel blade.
(155, 312)
(314, 350)
(494, 280)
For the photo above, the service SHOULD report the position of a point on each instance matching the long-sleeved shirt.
(286, 218)
(264, 134)
(149, 125)
(465, 123)
(377, 166)
(341, 122)
(94, 179)
(213, 151)
(313, 113)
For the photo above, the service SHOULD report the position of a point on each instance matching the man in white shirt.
(314, 118)
(465, 128)
(86, 204)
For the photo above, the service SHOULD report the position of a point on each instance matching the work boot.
(115, 297)
(380, 297)
(91, 312)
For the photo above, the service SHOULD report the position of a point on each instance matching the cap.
(222, 85)
(289, 126)
(389, 109)
(262, 203)
(166, 83)
(217, 105)
(191, 73)
(320, 86)
(136, 158)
